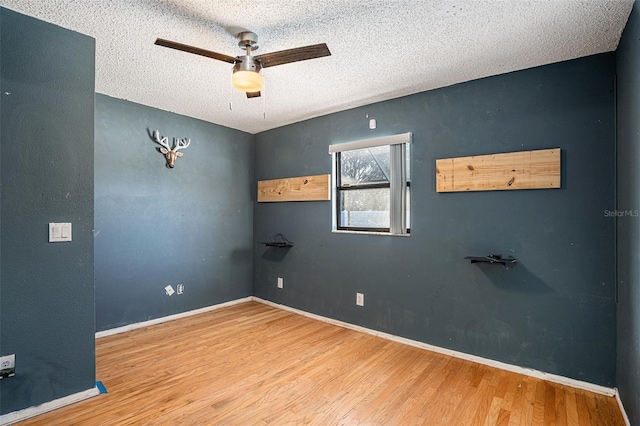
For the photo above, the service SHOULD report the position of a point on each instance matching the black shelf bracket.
(278, 240)
(493, 258)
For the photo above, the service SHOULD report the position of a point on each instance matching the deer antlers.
(170, 153)
(162, 140)
(182, 143)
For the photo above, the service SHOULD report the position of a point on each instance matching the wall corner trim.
(160, 320)
(624, 413)
(578, 384)
(27, 413)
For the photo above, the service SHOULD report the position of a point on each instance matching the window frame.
(395, 193)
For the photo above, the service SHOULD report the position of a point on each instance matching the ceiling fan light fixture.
(246, 75)
(248, 81)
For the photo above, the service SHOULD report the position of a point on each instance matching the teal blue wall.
(46, 138)
(628, 191)
(156, 226)
(555, 311)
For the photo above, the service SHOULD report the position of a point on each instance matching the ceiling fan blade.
(195, 50)
(253, 95)
(293, 55)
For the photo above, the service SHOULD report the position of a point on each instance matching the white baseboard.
(578, 384)
(27, 413)
(624, 413)
(130, 327)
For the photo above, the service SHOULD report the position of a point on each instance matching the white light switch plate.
(59, 232)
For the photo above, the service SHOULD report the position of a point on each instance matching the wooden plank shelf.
(508, 171)
(305, 188)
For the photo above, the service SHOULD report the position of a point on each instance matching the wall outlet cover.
(7, 366)
(359, 299)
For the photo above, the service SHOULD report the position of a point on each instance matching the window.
(372, 185)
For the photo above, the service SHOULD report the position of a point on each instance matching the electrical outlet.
(359, 299)
(7, 366)
(180, 289)
(280, 282)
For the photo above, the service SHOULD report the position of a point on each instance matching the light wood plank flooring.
(252, 364)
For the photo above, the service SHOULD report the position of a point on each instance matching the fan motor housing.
(247, 63)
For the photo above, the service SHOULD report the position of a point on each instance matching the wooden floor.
(251, 364)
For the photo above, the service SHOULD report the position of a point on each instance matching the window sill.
(388, 234)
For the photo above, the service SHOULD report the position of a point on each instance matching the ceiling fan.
(246, 68)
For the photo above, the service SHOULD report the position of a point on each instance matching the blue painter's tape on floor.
(101, 387)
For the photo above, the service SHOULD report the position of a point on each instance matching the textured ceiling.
(381, 49)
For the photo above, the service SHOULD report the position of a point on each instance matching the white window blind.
(370, 143)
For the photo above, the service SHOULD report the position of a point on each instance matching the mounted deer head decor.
(170, 153)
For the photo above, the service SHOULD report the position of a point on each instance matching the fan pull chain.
(231, 96)
(264, 95)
